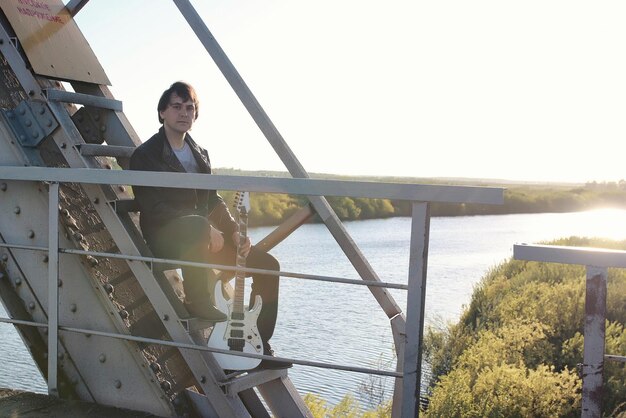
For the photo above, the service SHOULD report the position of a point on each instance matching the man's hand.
(246, 245)
(217, 241)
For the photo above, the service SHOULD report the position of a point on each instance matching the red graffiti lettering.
(39, 15)
(36, 4)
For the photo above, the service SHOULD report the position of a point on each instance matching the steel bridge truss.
(51, 150)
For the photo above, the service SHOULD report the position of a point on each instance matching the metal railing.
(408, 334)
(597, 262)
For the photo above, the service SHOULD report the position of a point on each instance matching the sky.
(526, 90)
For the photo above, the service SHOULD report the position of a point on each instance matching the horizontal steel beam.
(145, 340)
(154, 260)
(106, 150)
(309, 187)
(598, 257)
(84, 99)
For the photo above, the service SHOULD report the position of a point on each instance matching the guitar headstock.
(242, 202)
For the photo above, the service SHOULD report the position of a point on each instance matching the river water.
(343, 324)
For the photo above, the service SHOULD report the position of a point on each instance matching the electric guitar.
(239, 332)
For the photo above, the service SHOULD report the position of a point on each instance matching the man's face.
(179, 115)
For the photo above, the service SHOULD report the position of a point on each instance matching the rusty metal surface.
(11, 91)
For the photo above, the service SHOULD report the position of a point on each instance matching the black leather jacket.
(159, 205)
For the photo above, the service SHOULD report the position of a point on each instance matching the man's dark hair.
(182, 90)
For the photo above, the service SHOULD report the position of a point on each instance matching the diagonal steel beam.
(74, 6)
(321, 205)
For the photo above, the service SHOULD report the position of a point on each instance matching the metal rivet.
(31, 306)
(22, 111)
(31, 92)
(118, 384)
(18, 281)
(166, 386)
(31, 234)
(11, 115)
(202, 379)
(87, 129)
(96, 200)
(122, 188)
(155, 367)
(60, 283)
(42, 110)
(22, 137)
(124, 314)
(103, 129)
(35, 134)
(1, 275)
(166, 317)
(49, 123)
(3, 187)
(97, 117)
(73, 308)
(5, 257)
(102, 358)
(61, 356)
(78, 236)
(45, 258)
(28, 123)
(17, 210)
(108, 287)
(63, 145)
(93, 262)
(74, 381)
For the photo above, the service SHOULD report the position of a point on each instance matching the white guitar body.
(239, 333)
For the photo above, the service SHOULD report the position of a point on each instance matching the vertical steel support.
(593, 358)
(416, 298)
(53, 286)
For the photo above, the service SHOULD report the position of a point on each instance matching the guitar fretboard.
(238, 300)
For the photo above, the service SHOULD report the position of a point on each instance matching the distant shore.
(519, 197)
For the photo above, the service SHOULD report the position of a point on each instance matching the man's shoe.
(206, 311)
(273, 364)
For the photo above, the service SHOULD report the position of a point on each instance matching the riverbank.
(19, 404)
(519, 198)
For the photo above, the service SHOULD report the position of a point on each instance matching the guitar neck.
(238, 300)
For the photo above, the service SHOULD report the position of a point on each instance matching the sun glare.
(603, 223)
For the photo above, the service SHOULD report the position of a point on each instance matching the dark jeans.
(187, 238)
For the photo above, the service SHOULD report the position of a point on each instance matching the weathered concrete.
(19, 404)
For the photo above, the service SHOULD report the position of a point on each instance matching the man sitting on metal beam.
(196, 225)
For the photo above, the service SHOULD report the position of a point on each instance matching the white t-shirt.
(186, 158)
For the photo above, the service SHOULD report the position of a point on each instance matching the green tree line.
(517, 349)
(271, 209)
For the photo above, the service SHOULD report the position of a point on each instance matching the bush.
(518, 345)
